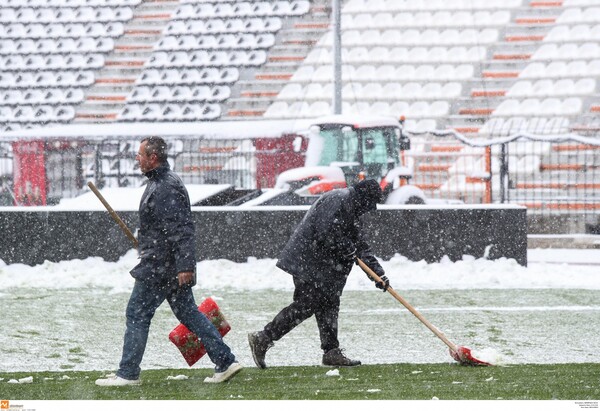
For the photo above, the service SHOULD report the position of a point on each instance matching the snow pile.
(262, 274)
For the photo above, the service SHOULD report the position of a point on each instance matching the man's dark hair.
(158, 146)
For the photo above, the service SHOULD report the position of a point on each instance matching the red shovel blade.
(464, 357)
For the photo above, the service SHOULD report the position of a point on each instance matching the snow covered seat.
(593, 68)
(418, 54)
(33, 96)
(365, 72)
(424, 72)
(63, 113)
(560, 69)
(219, 93)
(558, 34)
(304, 73)
(419, 109)
(451, 90)
(298, 109)
(170, 76)
(10, 97)
(435, 54)
(547, 107)
(292, 91)
(385, 72)
(400, 108)
(322, 56)
(278, 109)
(158, 94)
(196, 93)
(392, 91)
(371, 91)
(562, 87)
(319, 108)
(381, 108)
(149, 77)
(581, 32)
(411, 90)
(463, 72)
(571, 106)
(255, 58)
(431, 91)
(535, 70)
(588, 50)
(579, 15)
(171, 112)
(131, 112)
(438, 108)
(352, 91)
(318, 91)
(520, 88)
(546, 52)
(352, 55)
(23, 114)
(507, 107)
(406, 72)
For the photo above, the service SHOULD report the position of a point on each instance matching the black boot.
(336, 358)
(259, 344)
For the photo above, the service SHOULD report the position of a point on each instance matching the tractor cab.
(362, 148)
(343, 150)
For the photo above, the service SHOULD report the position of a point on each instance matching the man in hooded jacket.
(319, 255)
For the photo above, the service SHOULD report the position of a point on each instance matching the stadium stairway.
(252, 95)
(105, 99)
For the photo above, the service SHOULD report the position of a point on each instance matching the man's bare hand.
(185, 277)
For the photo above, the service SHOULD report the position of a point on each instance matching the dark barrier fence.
(418, 233)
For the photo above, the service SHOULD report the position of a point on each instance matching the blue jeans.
(145, 299)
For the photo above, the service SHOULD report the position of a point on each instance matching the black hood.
(367, 195)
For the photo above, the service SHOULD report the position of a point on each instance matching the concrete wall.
(32, 235)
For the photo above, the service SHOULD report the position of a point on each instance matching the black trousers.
(320, 299)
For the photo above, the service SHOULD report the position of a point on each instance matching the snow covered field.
(70, 315)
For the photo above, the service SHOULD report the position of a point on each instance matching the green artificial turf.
(367, 382)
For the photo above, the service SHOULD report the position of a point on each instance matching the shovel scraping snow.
(460, 354)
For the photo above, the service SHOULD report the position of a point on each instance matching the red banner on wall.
(29, 173)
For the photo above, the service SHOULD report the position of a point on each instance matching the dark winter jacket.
(322, 247)
(166, 237)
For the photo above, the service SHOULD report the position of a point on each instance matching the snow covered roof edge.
(213, 129)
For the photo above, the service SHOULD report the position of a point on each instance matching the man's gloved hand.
(350, 255)
(347, 249)
(384, 284)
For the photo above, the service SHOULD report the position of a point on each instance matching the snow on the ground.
(471, 300)
(549, 268)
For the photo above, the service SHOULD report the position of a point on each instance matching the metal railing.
(547, 173)
(550, 174)
(69, 164)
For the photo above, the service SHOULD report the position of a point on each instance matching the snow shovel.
(113, 214)
(460, 354)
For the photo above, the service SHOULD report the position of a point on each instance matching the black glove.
(384, 284)
(350, 255)
(347, 249)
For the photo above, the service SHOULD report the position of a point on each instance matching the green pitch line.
(367, 382)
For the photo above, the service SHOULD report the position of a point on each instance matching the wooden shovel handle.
(409, 307)
(113, 214)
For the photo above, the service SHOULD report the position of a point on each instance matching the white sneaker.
(116, 381)
(226, 375)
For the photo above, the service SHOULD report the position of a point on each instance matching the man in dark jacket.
(319, 255)
(166, 271)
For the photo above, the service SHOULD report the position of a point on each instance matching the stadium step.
(106, 98)
(257, 89)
